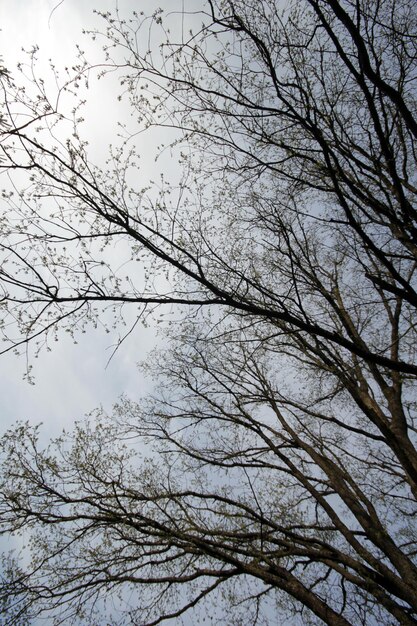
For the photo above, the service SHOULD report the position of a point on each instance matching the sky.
(71, 380)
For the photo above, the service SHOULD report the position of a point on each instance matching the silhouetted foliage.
(274, 472)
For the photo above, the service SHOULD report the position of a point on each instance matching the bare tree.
(274, 473)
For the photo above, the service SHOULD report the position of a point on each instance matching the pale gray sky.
(71, 379)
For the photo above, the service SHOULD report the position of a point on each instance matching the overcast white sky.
(71, 379)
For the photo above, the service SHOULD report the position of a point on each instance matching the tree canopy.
(273, 473)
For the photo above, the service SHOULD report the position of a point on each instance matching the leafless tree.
(274, 472)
